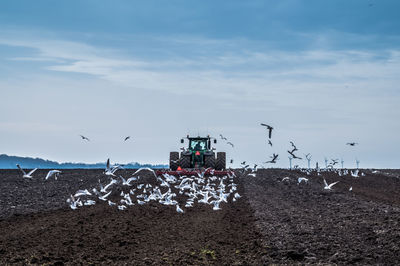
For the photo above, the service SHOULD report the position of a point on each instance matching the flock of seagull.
(212, 190)
(51, 173)
(197, 189)
(340, 172)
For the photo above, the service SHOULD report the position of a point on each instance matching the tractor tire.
(221, 161)
(185, 161)
(209, 161)
(173, 160)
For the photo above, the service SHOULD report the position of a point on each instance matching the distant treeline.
(9, 162)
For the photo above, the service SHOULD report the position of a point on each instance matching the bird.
(82, 192)
(329, 187)
(230, 143)
(146, 169)
(51, 173)
(121, 207)
(26, 175)
(104, 189)
(84, 138)
(178, 209)
(293, 155)
(128, 137)
(104, 197)
(294, 146)
(269, 142)
(269, 128)
(109, 170)
(335, 161)
(222, 137)
(274, 158)
(351, 189)
(352, 143)
(301, 179)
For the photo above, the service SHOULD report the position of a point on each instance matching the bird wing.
(331, 185)
(326, 184)
(127, 138)
(265, 125)
(106, 195)
(270, 132)
(31, 172)
(145, 168)
(115, 168)
(49, 174)
(19, 167)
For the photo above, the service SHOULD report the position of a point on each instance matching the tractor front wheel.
(173, 160)
(221, 161)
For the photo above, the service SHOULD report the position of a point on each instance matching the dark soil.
(275, 221)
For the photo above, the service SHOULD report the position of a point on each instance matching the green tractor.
(199, 154)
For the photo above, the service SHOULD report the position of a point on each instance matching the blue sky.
(323, 73)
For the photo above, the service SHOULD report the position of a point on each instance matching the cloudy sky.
(322, 73)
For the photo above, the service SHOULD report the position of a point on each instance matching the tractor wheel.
(209, 161)
(221, 161)
(173, 160)
(185, 161)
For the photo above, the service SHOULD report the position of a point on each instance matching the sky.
(322, 73)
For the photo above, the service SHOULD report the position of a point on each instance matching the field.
(276, 220)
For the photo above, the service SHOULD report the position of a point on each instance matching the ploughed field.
(276, 219)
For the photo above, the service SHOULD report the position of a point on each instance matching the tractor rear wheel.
(185, 161)
(209, 161)
(173, 160)
(221, 161)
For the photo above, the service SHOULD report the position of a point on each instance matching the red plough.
(195, 171)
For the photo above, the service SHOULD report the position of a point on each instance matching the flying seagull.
(329, 187)
(230, 143)
(222, 137)
(269, 128)
(294, 146)
(274, 158)
(51, 173)
(84, 138)
(128, 137)
(351, 143)
(109, 170)
(26, 175)
(294, 156)
(334, 161)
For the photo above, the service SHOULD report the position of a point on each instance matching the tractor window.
(198, 145)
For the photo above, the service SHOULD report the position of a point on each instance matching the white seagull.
(329, 187)
(178, 209)
(301, 179)
(82, 193)
(109, 170)
(51, 173)
(26, 175)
